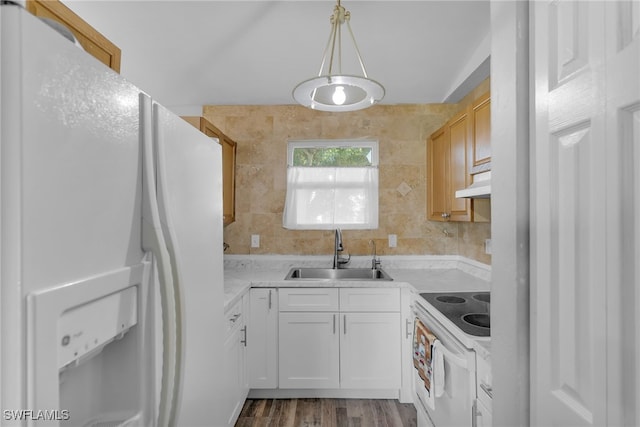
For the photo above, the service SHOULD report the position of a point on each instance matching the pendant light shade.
(338, 92)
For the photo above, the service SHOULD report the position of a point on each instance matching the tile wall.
(261, 133)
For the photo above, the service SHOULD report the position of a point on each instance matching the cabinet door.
(483, 415)
(233, 372)
(370, 350)
(228, 180)
(228, 165)
(448, 157)
(309, 350)
(481, 115)
(460, 146)
(246, 309)
(228, 169)
(94, 43)
(262, 346)
(438, 175)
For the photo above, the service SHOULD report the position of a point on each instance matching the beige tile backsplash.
(261, 133)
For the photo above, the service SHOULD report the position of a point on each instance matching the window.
(332, 184)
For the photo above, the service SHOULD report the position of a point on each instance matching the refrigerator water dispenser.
(85, 330)
(88, 349)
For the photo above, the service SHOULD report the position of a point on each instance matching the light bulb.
(339, 96)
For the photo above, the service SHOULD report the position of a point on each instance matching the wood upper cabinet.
(228, 165)
(481, 119)
(438, 174)
(91, 40)
(463, 143)
(448, 156)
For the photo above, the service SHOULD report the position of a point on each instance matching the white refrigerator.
(111, 296)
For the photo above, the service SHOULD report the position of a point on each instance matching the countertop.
(418, 273)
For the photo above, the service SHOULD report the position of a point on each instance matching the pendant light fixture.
(338, 92)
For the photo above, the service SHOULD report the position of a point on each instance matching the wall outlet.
(255, 240)
(487, 246)
(393, 240)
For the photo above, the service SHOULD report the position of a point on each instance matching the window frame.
(333, 143)
(371, 216)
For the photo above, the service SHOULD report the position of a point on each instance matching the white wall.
(510, 211)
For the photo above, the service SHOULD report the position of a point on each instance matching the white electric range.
(459, 322)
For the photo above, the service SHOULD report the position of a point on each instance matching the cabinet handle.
(446, 215)
(244, 340)
(345, 324)
(334, 324)
(269, 299)
(408, 326)
(235, 317)
(487, 389)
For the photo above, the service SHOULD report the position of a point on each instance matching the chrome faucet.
(375, 262)
(337, 248)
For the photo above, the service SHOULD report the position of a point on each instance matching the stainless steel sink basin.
(337, 274)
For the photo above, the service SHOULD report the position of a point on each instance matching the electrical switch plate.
(255, 240)
(393, 240)
(487, 246)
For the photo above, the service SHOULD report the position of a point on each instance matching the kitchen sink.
(307, 273)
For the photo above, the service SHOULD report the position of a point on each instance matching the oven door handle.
(450, 356)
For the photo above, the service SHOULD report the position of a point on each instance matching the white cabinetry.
(484, 402)
(308, 299)
(370, 350)
(370, 299)
(348, 338)
(309, 350)
(235, 366)
(309, 344)
(262, 347)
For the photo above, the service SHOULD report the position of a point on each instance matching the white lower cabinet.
(483, 415)
(484, 402)
(262, 344)
(370, 350)
(235, 366)
(309, 350)
(322, 345)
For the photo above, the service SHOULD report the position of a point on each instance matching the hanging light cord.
(339, 16)
(339, 92)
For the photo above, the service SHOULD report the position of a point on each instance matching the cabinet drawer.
(308, 299)
(370, 299)
(484, 381)
(233, 318)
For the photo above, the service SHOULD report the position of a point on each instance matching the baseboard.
(323, 393)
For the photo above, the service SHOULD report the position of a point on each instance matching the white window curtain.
(322, 198)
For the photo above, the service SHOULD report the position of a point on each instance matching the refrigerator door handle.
(170, 239)
(153, 241)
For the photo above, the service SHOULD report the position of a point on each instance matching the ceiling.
(193, 53)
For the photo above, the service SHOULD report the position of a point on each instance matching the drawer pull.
(487, 389)
(235, 317)
(244, 340)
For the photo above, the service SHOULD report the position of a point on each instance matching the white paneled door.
(585, 230)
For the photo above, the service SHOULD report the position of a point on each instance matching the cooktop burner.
(467, 310)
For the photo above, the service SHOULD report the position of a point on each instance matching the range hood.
(481, 183)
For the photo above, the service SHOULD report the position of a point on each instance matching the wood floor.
(326, 413)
